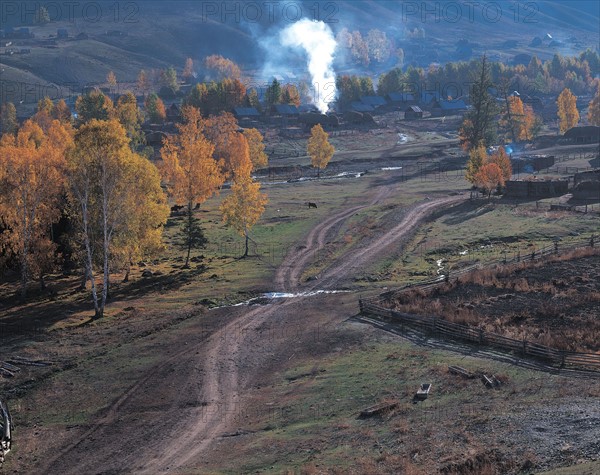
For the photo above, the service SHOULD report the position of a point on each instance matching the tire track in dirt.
(177, 436)
(356, 259)
(288, 274)
(222, 383)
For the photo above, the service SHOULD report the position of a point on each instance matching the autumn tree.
(155, 108)
(222, 68)
(477, 157)
(222, 131)
(319, 149)
(191, 173)
(568, 114)
(594, 108)
(105, 181)
(478, 127)
(43, 116)
(111, 79)
(489, 177)
(188, 69)
(94, 105)
(143, 82)
(129, 115)
(246, 204)
(140, 236)
(31, 184)
(8, 118)
(256, 148)
(61, 112)
(501, 159)
(290, 95)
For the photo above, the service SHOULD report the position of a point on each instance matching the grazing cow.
(312, 205)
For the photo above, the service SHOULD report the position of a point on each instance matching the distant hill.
(152, 34)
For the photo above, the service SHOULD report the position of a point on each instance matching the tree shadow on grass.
(465, 211)
(41, 310)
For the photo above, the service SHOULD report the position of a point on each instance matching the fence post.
(524, 346)
(562, 359)
(481, 336)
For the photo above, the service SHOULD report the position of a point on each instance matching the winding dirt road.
(197, 392)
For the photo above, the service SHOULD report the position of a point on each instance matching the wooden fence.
(441, 328)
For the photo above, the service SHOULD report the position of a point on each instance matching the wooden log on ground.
(10, 367)
(377, 409)
(461, 371)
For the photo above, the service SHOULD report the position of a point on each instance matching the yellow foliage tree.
(257, 148)
(108, 186)
(517, 119)
(130, 116)
(246, 204)
(31, 185)
(141, 234)
(191, 173)
(477, 157)
(319, 149)
(594, 108)
(568, 114)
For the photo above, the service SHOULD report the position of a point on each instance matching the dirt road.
(170, 416)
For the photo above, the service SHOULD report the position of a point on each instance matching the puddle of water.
(284, 295)
(348, 174)
(440, 264)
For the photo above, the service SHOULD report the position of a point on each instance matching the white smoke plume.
(317, 40)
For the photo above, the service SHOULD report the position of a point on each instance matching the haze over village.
(300, 237)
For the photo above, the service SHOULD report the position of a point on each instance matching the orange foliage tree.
(224, 68)
(31, 184)
(489, 177)
(191, 173)
(594, 107)
(221, 130)
(501, 159)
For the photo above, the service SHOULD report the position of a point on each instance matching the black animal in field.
(312, 205)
